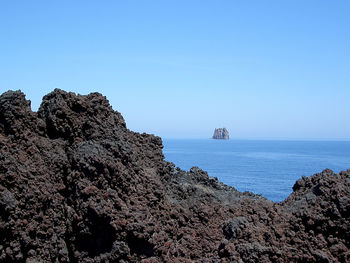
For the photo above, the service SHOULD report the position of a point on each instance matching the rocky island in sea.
(221, 134)
(77, 186)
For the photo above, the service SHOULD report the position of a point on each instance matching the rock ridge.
(77, 186)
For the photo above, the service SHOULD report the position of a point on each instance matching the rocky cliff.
(221, 134)
(77, 186)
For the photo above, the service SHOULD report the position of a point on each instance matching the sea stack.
(221, 134)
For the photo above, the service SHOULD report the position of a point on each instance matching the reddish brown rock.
(77, 186)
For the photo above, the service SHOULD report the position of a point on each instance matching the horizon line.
(256, 139)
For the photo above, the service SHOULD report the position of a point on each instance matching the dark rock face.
(77, 186)
(221, 134)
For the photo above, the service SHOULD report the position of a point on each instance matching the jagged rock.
(77, 186)
(221, 134)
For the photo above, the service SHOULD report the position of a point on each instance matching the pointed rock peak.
(15, 113)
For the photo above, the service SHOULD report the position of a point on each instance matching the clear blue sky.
(263, 69)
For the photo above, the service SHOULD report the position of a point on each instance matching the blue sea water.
(263, 167)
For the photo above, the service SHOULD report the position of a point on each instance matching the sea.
(266, 167)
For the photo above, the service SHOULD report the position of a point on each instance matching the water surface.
(269, 168)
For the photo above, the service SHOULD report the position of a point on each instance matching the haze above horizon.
(179, 69)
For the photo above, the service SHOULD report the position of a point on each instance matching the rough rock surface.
(221, 134)
(77, 186)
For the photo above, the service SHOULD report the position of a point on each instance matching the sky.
(178, 69)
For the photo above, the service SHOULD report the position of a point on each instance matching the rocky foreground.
(77, 186)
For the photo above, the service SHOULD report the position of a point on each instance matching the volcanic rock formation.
(77, 186)
(221, 134)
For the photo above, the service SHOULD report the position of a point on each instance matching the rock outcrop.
(221, 134)
(77, 186)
